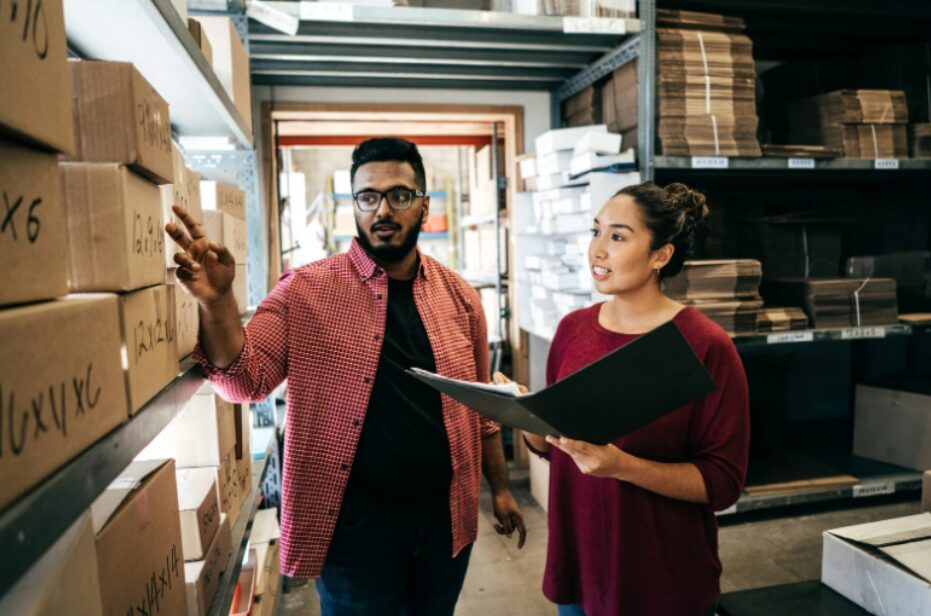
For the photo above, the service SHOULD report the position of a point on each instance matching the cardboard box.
(224, 198)
(114, 225)
(201, 38)
(33, 245)
(893, 426)
(202, 434)
(61, 386)
(187, 320)
(231, 63)
(243, 487)
(540, 480)
(240, 288)
(884, 567)
(203, 576)
(271, 581)
(120, 118)
(184, 190)
(926, 492)
(199, 508)
(139, 554)
(36, 105)
(63, 581)
(243, 431)
(226, 475)
(229, 231)
(263, 538)
(147, 319)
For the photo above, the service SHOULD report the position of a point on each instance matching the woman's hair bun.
(692, 204)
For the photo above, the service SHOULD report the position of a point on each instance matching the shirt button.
(344, 467)
(378, 296)
(356, 423)
(366, 380)
(377, 337)
(331, 513)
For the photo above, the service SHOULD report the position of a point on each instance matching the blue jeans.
(576, 610)
(378, 566)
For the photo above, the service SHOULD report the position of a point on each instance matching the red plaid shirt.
(322, 328)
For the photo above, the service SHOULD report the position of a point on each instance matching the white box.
(528, 168)
(884, 566)
(571, 223)
(892, 426)
(589, 161)
(564, 138)
(598, 143)
(540, 480)
(199, 510)
(560, 281)
(603, 186)
(342, 182)
(554, 162)
(545, 196)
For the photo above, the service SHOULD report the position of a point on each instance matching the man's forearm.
(221, 333)
(494, 466)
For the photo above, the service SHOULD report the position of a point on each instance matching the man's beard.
(390, 253)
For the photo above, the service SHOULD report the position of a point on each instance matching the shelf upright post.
(646, 97)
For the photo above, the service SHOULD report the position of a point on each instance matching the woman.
(632, 524)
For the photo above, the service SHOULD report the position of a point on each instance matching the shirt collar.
(367, 268)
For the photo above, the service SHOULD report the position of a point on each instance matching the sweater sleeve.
(263, 362)
(719, 431)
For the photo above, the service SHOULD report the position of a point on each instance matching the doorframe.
(511, 117)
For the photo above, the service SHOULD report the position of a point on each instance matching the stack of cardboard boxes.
(209, 442)
(225, 222)
(860, 123)
(264, 540)
(569, 182)
(705, 86)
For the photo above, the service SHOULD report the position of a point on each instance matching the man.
(381, 473)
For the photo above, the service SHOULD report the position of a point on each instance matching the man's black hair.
(384, 149)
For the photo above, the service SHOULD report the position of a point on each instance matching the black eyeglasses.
(398, 198)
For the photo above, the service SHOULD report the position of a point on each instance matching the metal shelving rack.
(842, 22)
(153, 36)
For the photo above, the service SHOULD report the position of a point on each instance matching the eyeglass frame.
(383, 195)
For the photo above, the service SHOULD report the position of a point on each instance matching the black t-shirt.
(402, 461)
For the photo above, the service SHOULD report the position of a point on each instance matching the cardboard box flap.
(913, 555)
(265, 527)
(117, 492)
(888, 532)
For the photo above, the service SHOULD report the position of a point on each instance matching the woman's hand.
(595, 460)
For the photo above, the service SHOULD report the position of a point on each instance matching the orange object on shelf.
(436, 223)
(244, 597)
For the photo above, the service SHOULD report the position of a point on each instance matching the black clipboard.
(626, 389)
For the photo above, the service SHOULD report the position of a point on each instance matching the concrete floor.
(760, 552)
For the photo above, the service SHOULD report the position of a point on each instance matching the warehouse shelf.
(475, 221)
(876, 479)
(800, 165)
(151, 35)
(603, 67)
(354, 45)
(241, 532)
(819, 335)
(34, 522)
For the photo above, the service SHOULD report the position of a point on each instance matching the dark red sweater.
(618, 549)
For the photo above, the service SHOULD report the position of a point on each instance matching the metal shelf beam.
(159, 45)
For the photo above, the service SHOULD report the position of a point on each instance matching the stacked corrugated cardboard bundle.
(920, 140)
(724, 290)
(838, 302)
(862, 123)
(585, 8)
(705, 86)
(781, 319)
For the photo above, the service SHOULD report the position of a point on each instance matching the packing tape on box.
(704, 61)
(856, 299)
(875, 144)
